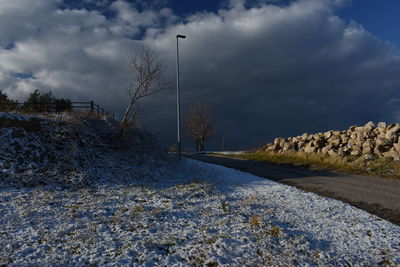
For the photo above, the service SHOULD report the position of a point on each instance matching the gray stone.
(310, 149)
(352, 128)
(301, 144)
(334, 140)
(368, 157)
(383, 144)
(333, 152)
(277, 140)
(355, 153)
(395, 156)
(289, 146)
(327, 135)
(369, 126)
(395, 127)
(396, 147)
(276, 146)
(368, 149)
(382, 125)
(344, 138)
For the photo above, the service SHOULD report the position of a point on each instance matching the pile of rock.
(368, 141)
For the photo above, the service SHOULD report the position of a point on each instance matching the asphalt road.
(376, 195)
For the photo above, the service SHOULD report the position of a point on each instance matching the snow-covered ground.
(187, 213)
(79, 190)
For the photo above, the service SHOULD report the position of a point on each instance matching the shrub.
(32, 104)
(7, 104)
(38, 102)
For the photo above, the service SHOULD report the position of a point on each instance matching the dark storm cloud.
(281, 71)
(269, 70)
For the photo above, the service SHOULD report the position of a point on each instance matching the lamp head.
(181, 36)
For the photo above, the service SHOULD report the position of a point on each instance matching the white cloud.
(269, 70)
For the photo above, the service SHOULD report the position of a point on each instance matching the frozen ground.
(189, 214)
(80, 191)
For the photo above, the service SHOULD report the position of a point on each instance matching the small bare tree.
(199, 124)
(148, 79)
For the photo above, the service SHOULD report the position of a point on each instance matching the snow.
(13, 116)
(73, 194)
(188, 213)
(68, 150)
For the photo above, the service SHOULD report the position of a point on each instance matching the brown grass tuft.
(255, 220)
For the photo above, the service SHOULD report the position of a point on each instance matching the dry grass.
(380, 167)
(275, 231)
(255, 220)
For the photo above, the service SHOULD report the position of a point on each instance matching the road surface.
(378, 196)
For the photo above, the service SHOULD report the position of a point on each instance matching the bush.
(40, 103)
(6, 104)
(32, 103)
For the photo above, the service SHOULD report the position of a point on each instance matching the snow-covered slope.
(69, 150)
(149, 212)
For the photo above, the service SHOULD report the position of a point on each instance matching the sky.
(268, 67)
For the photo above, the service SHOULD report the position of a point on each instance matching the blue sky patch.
(22, 75)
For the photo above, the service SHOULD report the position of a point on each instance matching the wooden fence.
(92, 107)
(89, 106)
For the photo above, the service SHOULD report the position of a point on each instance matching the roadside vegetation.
(381, 167)
(37, 102)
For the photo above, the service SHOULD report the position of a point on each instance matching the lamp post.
(178, 108)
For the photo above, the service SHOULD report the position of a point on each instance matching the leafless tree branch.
(148, 79)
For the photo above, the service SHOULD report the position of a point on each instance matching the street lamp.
(178, 108)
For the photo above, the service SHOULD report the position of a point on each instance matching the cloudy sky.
(269, 68)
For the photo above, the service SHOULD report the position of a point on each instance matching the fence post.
(91, 106)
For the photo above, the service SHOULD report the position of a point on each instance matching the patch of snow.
(69, 150)
(189, 213)
(14, 116)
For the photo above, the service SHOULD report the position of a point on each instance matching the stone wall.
(369, 142)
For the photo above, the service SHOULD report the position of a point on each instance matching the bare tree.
(199, 124)
(148, 79)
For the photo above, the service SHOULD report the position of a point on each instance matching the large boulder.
(393, 133)
(289, 147)
(381, 140)
(394, 155)
(333, 152)
(396, 147)
(368, 148)
(327, 135)
(335, 140)
(383, 144)
(326, 149)
(310, 149)
(382, 125)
